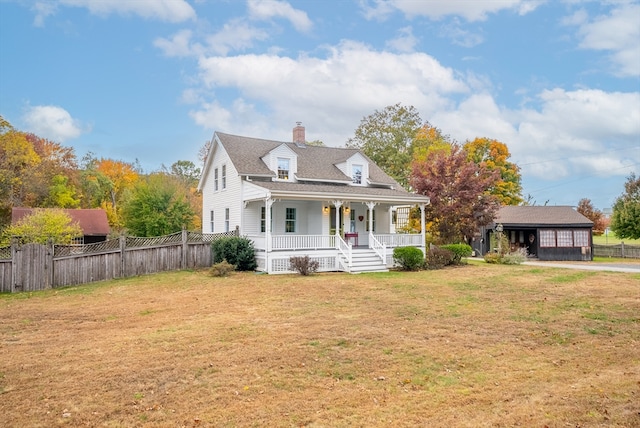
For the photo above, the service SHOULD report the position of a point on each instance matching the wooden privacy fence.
(621, 250)
(32, 267)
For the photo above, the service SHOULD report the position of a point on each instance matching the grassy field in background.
(475, 346)
(612, 239)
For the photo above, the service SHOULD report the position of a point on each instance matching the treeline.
(38, 173)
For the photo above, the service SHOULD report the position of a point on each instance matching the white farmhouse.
(291, 199)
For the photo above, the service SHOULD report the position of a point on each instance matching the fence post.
(184, 248)
(622, 248)
(123, 246)
(237, 230)
(50, 253)
(14, 264)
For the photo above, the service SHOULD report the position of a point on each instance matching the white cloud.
(618, 33)
(472, 10)
(459, 35)
(331, 93)
(179, 45)
(52, 122)
(235, 35)
(570, 133)
(162, 10)
(267, 9)
(42, 11)
(405, 42)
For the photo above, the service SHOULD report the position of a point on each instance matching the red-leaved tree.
(458, 188)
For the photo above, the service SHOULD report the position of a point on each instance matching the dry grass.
(474, 346)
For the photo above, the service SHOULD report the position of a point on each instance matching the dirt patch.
(469, 347)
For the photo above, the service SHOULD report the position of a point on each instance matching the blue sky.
(557, 81)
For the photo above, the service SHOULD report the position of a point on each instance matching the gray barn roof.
(547, 216)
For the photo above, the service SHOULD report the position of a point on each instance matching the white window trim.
(289, 162)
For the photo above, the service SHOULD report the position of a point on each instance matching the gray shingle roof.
(542, 216)
(314, 162)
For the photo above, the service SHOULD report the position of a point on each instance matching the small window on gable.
(215, 180)
(283, 168)
(356, 173)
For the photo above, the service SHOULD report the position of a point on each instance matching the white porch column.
(371, 205)
(268, 202)
(422, 226)
(338, 205)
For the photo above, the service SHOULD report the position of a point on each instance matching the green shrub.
(408, 258)
(221, 269)
(438, 257)
(514, 258)
(303, 265)
(237, 251)
(493, 258)
(459, 251)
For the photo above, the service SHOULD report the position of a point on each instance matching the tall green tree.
(157, 205)
(386, 136)
(625, 221)
(44, 225)
(495, 156)
(457, 186)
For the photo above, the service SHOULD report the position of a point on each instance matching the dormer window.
(283, 168)
(356, 174)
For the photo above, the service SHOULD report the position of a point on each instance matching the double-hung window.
(290, 220)
(263, 219)
(283, 168)
(356, 174)
(224, 177)
(215, 180)
(211, 220)
(226, 219)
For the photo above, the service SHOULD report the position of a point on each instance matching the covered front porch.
(347, 235)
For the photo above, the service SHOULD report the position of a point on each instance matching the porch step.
(366, 260)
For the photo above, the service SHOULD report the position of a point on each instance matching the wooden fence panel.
(5, 276)
(33, 267)
(621, 250)
(82, 269)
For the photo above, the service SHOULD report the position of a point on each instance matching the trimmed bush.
(459, 251)
(237, 251)
(221, 269)
(515, 257)
(408, 258)
(493, 258)
(303, 265)
(438, 257)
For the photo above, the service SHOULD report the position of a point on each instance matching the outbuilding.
(545, 232)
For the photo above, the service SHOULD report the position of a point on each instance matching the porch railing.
(378, 247)
(302, 242)
(345, 249)
(400, 240)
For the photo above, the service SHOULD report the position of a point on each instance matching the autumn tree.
(625, 221)
(495, 157)
(121, 177)
(429, 139)
(457, 188)
(387, 137)
(585, 207)
(44, 225)
(157, 205)
(17, 157)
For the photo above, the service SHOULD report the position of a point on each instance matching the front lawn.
(472, 346)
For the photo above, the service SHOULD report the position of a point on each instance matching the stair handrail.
(344, 248)
(379, 248)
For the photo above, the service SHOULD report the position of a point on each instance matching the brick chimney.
(298, 133)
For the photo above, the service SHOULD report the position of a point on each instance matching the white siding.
(230, 197)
